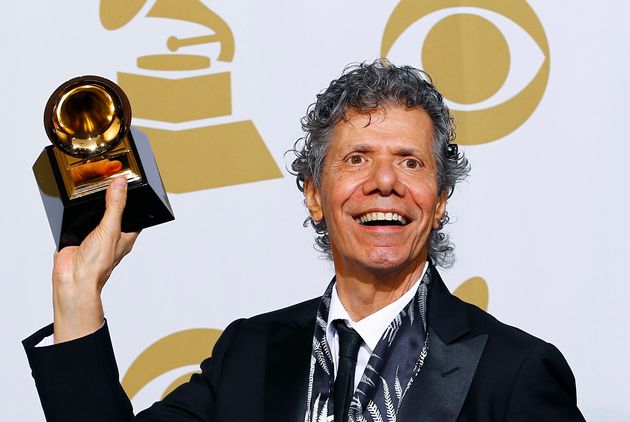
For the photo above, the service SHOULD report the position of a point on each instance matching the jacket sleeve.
(78, 381)
(544, 389)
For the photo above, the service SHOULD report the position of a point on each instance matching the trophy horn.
(87, 116)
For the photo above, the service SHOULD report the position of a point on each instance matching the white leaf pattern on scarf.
(398, 387)
(374, 412)
(389, 404)
(321, 359)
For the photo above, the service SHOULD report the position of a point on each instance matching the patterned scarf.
(395, 361)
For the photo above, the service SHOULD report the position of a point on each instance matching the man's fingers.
(115, 200)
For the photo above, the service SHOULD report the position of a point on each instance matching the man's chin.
(383, 260)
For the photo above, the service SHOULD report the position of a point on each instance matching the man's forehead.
(386, 124)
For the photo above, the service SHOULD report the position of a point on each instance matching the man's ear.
(440, 209)
(313, 202)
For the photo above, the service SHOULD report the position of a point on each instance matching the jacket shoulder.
(524, 376)
(295, 313)
(482, 322)
(257, 328)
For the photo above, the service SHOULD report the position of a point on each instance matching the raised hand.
(80, 272)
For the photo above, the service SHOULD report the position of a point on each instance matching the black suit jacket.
(477, 369)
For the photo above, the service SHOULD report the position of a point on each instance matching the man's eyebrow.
(360, 148)
(400, 151)
(410, 151)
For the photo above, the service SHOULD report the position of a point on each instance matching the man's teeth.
(381, 216)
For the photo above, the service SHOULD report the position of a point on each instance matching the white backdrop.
(543, 218)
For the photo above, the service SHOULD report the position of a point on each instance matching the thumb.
(115, 200)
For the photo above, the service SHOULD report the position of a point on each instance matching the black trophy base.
(71, 220)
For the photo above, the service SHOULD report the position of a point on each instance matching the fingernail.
(120, 183)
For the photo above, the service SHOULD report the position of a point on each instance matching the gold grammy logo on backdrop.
(197, 158)
(181, 349)
(190, 347)
(470, 59)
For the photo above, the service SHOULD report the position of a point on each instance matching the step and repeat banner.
(539, 91)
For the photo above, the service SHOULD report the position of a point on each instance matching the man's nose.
(383, 179)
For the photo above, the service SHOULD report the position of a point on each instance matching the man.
(386, 342)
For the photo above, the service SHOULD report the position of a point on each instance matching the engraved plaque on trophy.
(88, 121)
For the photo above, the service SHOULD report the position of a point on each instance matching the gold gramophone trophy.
(88, 120)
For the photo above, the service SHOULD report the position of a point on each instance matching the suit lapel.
(439, 390)
(287, 367)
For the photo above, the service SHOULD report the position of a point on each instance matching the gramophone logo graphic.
(203, 155)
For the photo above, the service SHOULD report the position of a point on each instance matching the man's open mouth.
(381, 219)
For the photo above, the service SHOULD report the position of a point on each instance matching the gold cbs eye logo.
(491, 86)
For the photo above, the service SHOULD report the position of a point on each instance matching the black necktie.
(349, 344)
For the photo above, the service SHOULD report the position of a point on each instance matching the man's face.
(378, 192)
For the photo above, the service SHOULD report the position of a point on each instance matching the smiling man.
(385, 342)
(380, 199)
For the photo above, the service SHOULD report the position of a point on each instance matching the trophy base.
(72, 219)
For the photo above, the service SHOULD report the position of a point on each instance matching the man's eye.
(355, 159)
(411, 163)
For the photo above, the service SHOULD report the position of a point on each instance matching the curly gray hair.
(365, 87)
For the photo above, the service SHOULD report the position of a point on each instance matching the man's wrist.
(77, 317)
(77, 327)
